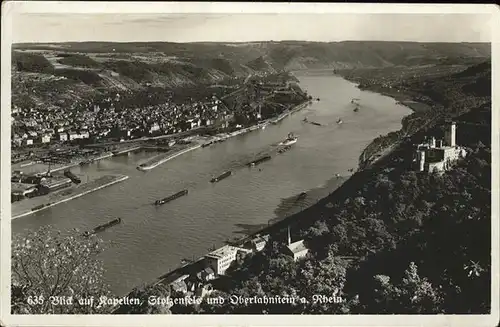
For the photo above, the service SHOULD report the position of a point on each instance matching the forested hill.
(61, 73)
(291, 55)
(391, 240)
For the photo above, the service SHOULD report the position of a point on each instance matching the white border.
(8, 8)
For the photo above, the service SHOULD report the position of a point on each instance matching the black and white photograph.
(228, 162)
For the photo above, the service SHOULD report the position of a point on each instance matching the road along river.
(153, 240)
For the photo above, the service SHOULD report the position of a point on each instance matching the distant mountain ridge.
(81, 69)
(291, 55)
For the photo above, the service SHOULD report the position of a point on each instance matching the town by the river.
(151, 240)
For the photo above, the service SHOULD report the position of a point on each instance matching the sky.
(230, 27)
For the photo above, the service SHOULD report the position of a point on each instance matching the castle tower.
(421, 160)
(450, 135)
(433, 142)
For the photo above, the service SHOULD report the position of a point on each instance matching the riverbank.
(340, 191)
(43, 202)
(162, 158)
(43, 168)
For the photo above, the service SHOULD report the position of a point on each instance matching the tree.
(413, 294)
(55, 273)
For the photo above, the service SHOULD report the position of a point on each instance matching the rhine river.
(153, 240)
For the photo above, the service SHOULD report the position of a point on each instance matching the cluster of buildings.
(120, 116)
(216, 263)
(103, 120)
(439, 155)
(27, 186)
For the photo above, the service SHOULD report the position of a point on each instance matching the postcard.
(260, 164)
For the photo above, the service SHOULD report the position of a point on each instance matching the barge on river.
(221, 177)
(103, 227)
(258, 161)
(171, 198)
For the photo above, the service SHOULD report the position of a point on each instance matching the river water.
(153, 240)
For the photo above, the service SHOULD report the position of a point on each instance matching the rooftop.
(223, 252)
(297, 246)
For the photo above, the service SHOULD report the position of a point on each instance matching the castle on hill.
(441, 155)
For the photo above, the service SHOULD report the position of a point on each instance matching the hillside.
(82, 70)
(390, 240)
(292, 54)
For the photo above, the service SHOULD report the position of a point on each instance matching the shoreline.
(338, 192)
(158, 161)
(401, 99)
(222, 138)
(117, 179)
(68, 165)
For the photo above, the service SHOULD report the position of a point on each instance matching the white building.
(220, 259)
(63, 137)
(73, 136)
(153, 128)
(297, 249)
(434, 156)
(84, 135)
(45, 138)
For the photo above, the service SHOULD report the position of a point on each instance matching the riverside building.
(220, 259)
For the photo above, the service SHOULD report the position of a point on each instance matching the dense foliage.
(399, 242)
(56, 273)
(446, 92)
(421, 242)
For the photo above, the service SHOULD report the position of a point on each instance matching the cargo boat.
(291, 139)
(221, 177)
(103, 227)
(171, 198)
(258, 161)
(72, 176)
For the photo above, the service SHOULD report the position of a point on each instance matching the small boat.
(171, 198)
(291, 139)
(206, 144)
(337, 175)
(103, 227)
(263, 127)
(339, 121)
(221, 177)
(311, 122)
(302, 196)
